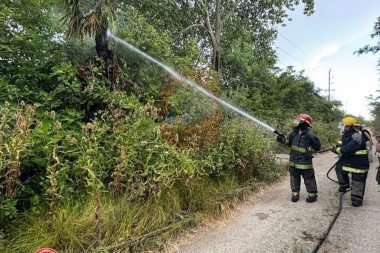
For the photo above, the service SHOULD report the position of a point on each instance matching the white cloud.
(327, 41)
(320, 53)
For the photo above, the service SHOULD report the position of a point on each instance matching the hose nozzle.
(278, 133)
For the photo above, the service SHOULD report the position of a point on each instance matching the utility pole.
(329, 89)
(329, 85)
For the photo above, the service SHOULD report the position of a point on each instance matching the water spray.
(193, 84)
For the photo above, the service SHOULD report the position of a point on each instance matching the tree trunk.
(101, 41)
(102, 50)
(218, 32)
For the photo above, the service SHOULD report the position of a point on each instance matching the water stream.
(191, 83)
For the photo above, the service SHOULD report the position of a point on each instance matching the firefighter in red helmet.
(302, 140)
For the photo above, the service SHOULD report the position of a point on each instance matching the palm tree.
(95, 23)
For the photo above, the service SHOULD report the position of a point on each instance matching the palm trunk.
(102, 50)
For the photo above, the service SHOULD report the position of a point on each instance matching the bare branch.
(191, 26)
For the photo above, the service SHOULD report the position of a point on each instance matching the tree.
(207, 20)
(259, 17)
(372, 49)
(88, 18)
(29, 46)
(374, 104)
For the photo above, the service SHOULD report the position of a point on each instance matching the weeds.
(125, 225)
(14, 131)
(97, 191)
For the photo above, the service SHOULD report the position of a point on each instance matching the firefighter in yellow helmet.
(301, 141)
(354, 160)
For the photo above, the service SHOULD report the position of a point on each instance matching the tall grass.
(126, 226)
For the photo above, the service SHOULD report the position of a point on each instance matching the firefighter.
(301, 141)
(353, 159)
(368, 140)
(378, 157)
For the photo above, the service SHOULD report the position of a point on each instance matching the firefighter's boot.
(295, 196)
(312, 198)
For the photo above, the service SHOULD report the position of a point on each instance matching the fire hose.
(325, 234)
(321, 240)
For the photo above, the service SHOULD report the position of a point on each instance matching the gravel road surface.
(270, 222)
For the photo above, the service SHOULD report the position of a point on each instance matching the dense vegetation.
(104, 151)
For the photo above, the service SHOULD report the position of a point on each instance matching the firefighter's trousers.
(343, 178)
(308, 176)
(357, 185)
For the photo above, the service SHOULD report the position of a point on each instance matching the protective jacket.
(301, 146)
(354, 152)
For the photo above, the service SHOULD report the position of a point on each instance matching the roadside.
(270, 222)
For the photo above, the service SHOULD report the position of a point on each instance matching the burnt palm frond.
(96, 20)
(72, 17)
(91, 25)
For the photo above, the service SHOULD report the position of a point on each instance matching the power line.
(292, 43)
(291, 55)
(282, 63)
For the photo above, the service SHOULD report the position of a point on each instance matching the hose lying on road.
(321, 240)
(331, 224)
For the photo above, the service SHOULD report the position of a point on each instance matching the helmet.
(304, 117)
(349, 121)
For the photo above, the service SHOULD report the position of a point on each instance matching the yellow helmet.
(349, 121)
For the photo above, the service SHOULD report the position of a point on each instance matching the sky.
(323, 45)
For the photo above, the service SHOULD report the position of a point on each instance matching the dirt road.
(270, 222)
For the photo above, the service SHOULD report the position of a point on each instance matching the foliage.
(375, 112)
(246, 150)
(110, 149)
(14, 131)
(191, 117)
(87, 18)
(283, 98)
(30, 46)
(142, 76)
(133, 162)
(128, 226)
(375, 48)
(206, 21)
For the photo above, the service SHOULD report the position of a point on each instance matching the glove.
(336, 150)
(281, 139)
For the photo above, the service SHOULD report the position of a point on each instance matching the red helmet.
(304, 117)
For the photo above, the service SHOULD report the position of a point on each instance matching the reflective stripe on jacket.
(301, 146)
(354, 152)
(361, 152)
